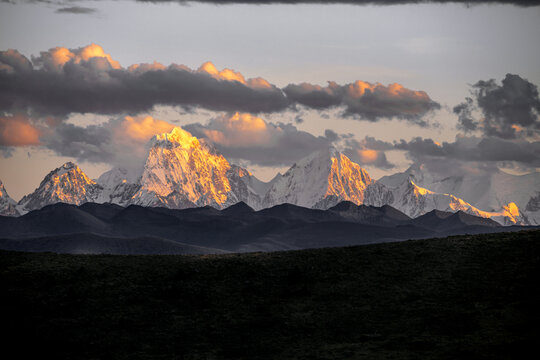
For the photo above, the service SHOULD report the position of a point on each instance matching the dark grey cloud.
(120, 141)
(62, 81)
(331, 135)
(92, 143)
(473, 149)
(510, 110)
(59, 86)
(251, 139)
(12, 61)
(78, 10)
(353, 2)
(366, 101)
(350, 2)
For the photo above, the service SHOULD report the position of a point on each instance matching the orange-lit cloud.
(369, 151)
(57, 57)
(141, 128)
(250, 138)
(240, 130)
(88, 80)
(63, 81)
(18, 131)
(231, 75)
(140, 68)
(368, 156)
(364, 100)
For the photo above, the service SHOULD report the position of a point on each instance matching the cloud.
(356, 2)
(121, 141)
(473, 149)
(368, 152)
(350, 2)
(79, 10)
(91, 143)
(366, 101)
(56, 58)
(88, 80)
(12, 61)
(242, 136)
(509, 111)
(141, 129)
(63, 81)
(17, 130)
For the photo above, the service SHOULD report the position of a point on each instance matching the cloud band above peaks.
(62, 81)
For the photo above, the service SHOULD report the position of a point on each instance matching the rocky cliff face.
(321, 180)
(182, 171)
(68, 184)
(7, 204)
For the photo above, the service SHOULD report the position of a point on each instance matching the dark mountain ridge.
(63, 227)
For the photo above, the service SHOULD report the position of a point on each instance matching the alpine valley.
(183, 172)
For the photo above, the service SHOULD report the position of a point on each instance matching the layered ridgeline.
(182, 171)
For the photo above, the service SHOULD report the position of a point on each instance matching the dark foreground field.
(464, 297)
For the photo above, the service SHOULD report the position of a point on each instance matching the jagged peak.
(410, 184)
(69, 165)
(3, 191)
(512, 209)
(415, 167)
(176, 137)
(327, 154)
(115, 176)
(66, 167)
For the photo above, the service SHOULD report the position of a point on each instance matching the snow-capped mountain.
(7, 204)
(320, 180)
(328, 177)
(414, 201)
(68, 184)
(491, 192)
(180, 171)
(183, 171)
(119, 186)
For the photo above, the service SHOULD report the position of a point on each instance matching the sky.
(451, 85)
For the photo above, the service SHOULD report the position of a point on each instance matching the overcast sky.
(437, 54)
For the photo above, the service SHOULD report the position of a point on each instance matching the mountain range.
(113, 229)
(183, 172)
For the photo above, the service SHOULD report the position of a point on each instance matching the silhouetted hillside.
(465, 297)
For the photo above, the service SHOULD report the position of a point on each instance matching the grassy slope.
(456, 298)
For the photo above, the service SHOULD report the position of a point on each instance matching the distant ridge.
(109, 228)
